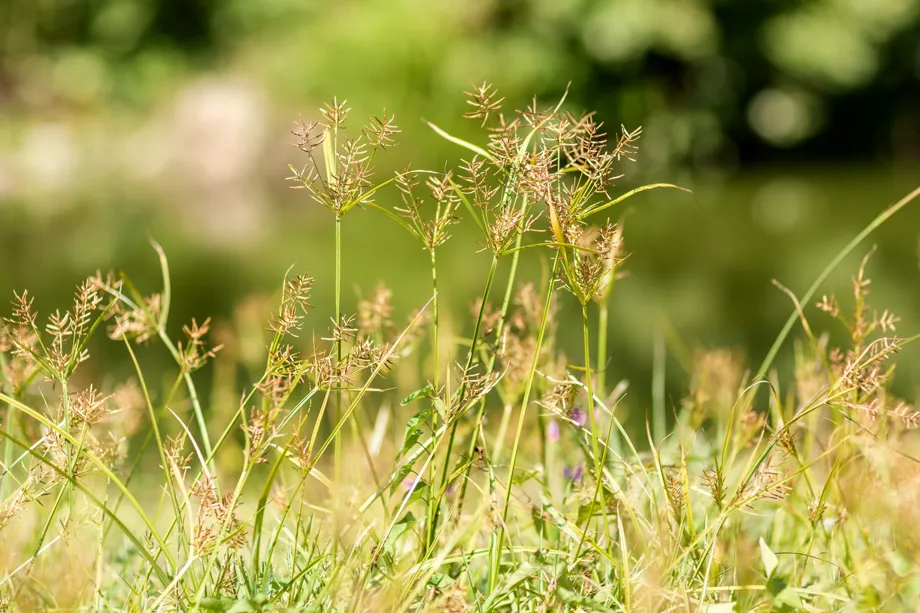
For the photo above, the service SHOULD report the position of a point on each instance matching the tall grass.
(392, 466)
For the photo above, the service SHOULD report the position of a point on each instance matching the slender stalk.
(338, 280)
(595, 450)
(602, 325)
(65, 400)
(436, 349)
(160, 323)
(169, 485)
(456, 419)
(602, 322)
(337, 405)
(506, 302)
(435, 323)
(199, 415)
(51, 515)
(490, 368)
(502, 433)
(589, 402)
(473, 346)
(495, 560)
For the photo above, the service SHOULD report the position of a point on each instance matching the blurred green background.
(794, 123)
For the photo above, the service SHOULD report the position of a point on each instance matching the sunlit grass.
(367, 464)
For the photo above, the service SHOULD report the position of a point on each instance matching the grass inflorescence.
(377, 464)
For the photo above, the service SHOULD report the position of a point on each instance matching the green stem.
(506, 302)
(602, 350)
(602, 325)
(168, 482)
(480, 414)
(595, 450)
(337, 451)
(528, 386)
(436, 349)
(456, 419)
(338, 280)
(160, 323)
(435, 338)
(51, 515)
(589, 403)
(499, 445)
(199, 416)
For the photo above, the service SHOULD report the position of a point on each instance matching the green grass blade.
(810, 293)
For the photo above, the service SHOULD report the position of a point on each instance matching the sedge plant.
(785, 489)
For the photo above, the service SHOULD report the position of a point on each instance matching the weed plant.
(505, 481)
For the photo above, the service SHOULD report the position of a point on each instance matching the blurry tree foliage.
(713, 81)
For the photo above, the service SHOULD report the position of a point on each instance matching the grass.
(376, 465)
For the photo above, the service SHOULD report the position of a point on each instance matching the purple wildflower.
(552, 430)
(578, 416)
(573, 474)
